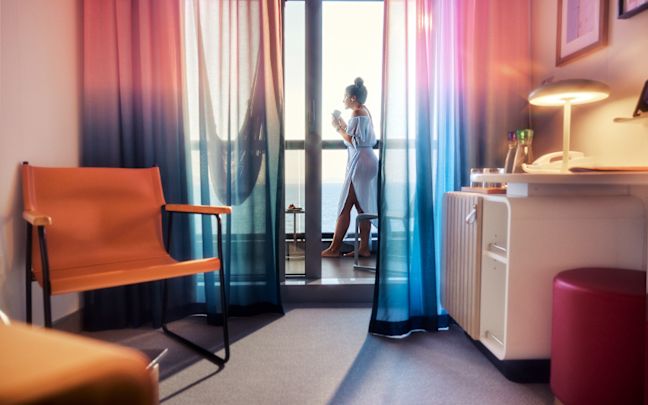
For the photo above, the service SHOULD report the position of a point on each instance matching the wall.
(622, 64)
(40, 48)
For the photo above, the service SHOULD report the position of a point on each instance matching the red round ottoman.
(597, 338)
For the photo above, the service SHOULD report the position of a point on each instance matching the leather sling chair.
(102, 227)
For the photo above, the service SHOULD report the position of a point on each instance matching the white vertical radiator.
(461, 259)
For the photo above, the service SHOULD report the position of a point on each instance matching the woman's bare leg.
(365, 227)
(341, 225)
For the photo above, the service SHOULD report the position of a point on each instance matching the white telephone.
(552, 162)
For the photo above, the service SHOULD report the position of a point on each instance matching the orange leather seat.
(104, 229)
(121, 273)
(46, 366)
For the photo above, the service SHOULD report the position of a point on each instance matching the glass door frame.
(313, 140)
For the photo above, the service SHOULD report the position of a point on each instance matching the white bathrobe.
(362, 165)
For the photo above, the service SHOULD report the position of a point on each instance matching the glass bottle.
(524, 150)
(511, 138)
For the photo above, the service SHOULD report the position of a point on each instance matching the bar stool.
(597, 341)
(360, 218)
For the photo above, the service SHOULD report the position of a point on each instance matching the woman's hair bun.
(358, 90)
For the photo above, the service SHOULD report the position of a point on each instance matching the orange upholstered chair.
(44, 366)
(102, 227)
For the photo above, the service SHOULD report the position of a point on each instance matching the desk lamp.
(567, 93)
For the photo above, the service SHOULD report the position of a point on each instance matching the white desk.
(591, 183)
(545, 224)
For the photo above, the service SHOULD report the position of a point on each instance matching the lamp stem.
(566, 134)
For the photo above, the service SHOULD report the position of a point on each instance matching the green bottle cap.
(524, 135)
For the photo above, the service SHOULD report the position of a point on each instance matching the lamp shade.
(574, 91)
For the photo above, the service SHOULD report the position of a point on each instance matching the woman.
(360, 186)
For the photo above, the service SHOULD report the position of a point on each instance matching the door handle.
(472, 215)
(498, 248)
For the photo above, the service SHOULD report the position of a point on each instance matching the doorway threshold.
(335, 270)
(326, 291)
(329, 281)
(341, 282)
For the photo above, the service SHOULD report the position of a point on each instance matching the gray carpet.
(324, 355)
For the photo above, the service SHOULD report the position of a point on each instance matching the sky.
(351, 47)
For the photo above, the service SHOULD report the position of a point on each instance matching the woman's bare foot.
(330, 253)
(361, 253)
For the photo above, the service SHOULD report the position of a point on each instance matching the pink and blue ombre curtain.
(455, 78)
(196, 88)
(132, 117)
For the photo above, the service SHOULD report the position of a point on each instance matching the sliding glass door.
(327, 44)
(351, 47)
(294, 130)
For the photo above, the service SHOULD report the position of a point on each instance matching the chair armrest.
(198, 209)
(36, 218)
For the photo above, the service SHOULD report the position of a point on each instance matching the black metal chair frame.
(223, 298)
(47, 307)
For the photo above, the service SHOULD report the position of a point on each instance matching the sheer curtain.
(234, 105)
(451, 87)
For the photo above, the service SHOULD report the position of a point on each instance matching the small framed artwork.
(628, 8)
(582, 28)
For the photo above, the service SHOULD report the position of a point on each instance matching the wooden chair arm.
(198, 209)
(36, 218)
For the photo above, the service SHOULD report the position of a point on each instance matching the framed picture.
(582, 28)
(628, 8)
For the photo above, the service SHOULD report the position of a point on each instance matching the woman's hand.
(340, 128)
(341, 124)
